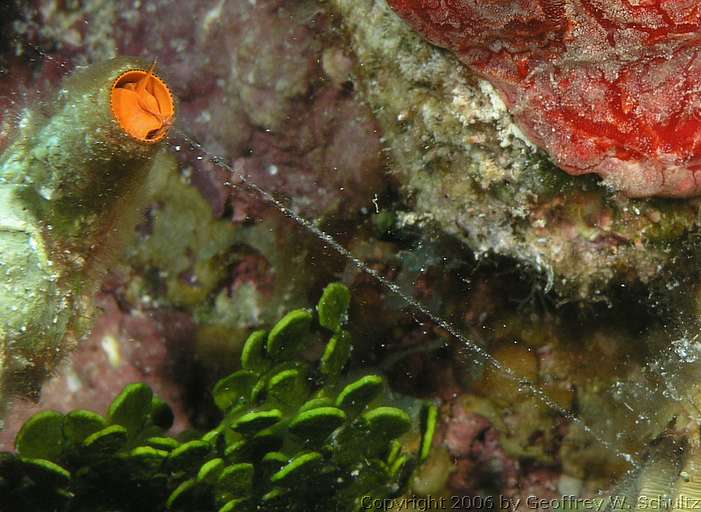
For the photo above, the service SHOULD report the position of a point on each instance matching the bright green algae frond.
(70, 189)
(295, 436)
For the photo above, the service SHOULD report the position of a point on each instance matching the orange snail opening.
(143, 105)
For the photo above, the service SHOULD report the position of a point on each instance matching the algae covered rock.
(467, 169)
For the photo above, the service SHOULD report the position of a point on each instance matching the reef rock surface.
(466, 166)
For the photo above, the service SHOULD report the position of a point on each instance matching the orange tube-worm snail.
(143, 105)
(71, 185)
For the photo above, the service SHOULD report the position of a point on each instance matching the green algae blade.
(131, 408)
(236, 481)
(209, 471)
(253, 355)
(290, 334)
(336, 354)
(387, 422)
(357, 395)
(234, 389)
(184, 496)
(188, 456)
(316, 425)
(300, 468)
(41, 437)
(333, 306)
(106, 441)
(45, 472)
(79, 424)
(253, 422)
(288, 388)
(429, 422)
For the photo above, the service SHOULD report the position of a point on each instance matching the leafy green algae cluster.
(295, 435)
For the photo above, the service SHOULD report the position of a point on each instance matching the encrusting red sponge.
(611, 87)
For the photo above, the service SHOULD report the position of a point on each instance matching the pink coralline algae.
(611, 87)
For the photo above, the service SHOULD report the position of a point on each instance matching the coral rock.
(606, 87)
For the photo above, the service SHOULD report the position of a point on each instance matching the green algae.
(307, 457)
